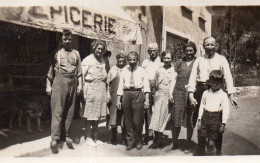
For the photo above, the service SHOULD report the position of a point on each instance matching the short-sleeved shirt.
(68, 63)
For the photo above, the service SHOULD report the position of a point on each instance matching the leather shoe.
(174, 146)
(54, 142)
(69, 142)
(54, 146)
(139, 146)
(129, 147)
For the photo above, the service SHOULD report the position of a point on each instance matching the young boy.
(213, 113)
(133, 96)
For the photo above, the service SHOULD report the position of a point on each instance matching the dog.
(31, 106)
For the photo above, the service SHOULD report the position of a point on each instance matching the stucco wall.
(176, 23)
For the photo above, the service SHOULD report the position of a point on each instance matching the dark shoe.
(129, 147)
(54, 146)
(174, 146)
(69, 142)
(114, 136)
(139, 146)
(145, 142)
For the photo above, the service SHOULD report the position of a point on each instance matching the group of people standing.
(151, 94)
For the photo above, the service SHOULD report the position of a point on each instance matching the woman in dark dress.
(179, 95)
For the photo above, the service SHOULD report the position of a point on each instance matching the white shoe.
(90, 142)
(98, 142)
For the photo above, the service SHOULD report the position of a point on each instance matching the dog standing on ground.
(31, 106)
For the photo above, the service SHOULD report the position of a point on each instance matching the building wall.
(180, 22)
(190, 23)
(150, 20)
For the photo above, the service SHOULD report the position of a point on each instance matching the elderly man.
(64, 81)
(198, 81)
(150, 65)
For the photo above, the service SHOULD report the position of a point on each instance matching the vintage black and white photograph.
(84, 78)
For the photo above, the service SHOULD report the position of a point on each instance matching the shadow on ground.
(234, 144)
(20, 135)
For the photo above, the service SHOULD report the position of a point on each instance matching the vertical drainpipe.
(163, 42)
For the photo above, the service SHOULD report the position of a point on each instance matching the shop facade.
(31, 35)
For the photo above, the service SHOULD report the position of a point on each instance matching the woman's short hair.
(166, 52)
(95, 43)
(216, 75)
(133, 53)
(190, 44)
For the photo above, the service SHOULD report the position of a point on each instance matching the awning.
(112, 23)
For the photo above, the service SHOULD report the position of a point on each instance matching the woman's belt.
(133, 89)
(202, 83)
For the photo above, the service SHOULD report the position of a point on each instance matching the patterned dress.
(113, 82)
(179, 114)
(94, 90)
(162, 83)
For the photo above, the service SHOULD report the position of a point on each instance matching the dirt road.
(240, 138)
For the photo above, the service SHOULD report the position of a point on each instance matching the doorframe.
(173, 32)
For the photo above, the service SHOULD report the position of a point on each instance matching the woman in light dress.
(94, 77)
(164, 77)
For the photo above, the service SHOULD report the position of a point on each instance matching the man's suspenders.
(58, 59)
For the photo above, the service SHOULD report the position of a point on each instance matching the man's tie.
(132, 84)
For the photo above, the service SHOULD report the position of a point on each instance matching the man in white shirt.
(133, 95)
(150, 65)
(200, 74)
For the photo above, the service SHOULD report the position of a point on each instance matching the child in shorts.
(213, 113)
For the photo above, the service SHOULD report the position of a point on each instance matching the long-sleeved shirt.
(202, 68)
(151, 67)
(214, 102)
(66, 62)
(140, 80)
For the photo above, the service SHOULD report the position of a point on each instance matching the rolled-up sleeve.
(225, 108)
(228, 76)
(191, 87)
(79, 66)
(50, 74)
(202, 104)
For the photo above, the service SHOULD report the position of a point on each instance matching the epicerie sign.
(79, 19)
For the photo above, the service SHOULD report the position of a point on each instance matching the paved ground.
(241, 138)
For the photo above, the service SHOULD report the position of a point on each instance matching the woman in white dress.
(164, 77)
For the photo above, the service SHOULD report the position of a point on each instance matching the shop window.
(202, 23)
(186, 12)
